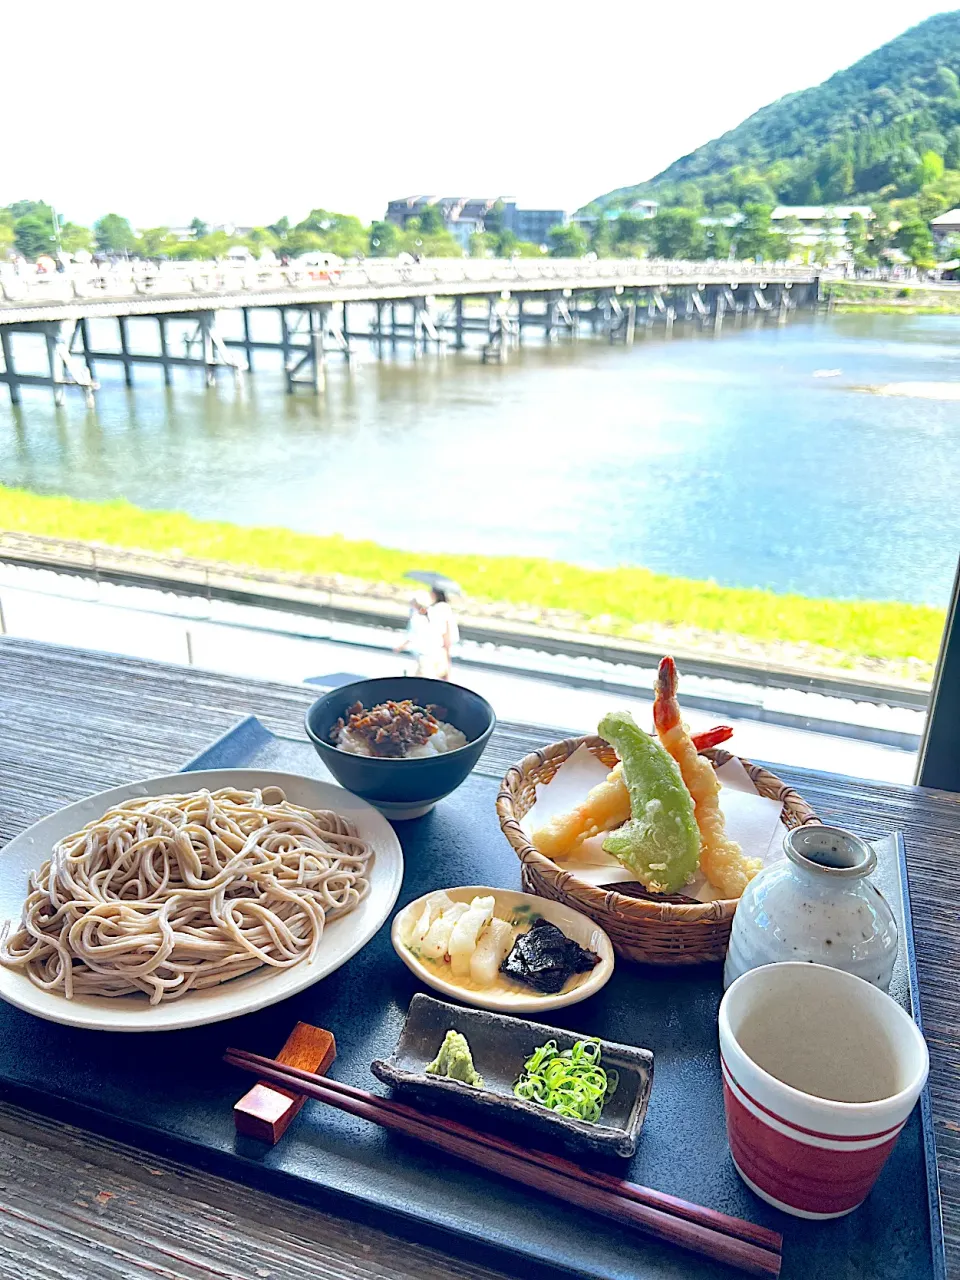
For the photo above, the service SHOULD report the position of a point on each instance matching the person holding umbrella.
(423, 640)
(441, 617)
(435, 661)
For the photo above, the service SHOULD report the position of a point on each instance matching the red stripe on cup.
(799, 1174)
(810, 1133)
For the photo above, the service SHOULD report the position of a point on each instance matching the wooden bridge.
(426, 305)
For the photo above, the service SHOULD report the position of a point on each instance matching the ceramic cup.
(821, 1071)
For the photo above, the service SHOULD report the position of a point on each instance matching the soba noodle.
(170, 894)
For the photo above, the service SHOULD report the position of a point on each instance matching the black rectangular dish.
(500, 1045)
(174, 1094)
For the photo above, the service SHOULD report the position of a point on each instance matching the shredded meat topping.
(390, 728)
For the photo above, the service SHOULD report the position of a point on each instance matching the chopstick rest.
(265, 1111)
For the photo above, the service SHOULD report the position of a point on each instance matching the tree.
(199, 228)
(567, 242)
(482, 244)
(260, 240)
(504, 243)
(858, 240)
(717, 240)
(384, 239)
(114, 234)
(157, 242)
(952, 154)
(785, 239)
(494, 219)
(915, 240)
(33, 234)
(280, 228)
(881, 231)
(74, 238)
(928, 171)
(430, 220)
(298, 242)
(755, 238)
(23, 208)
(7, 233)
(340, 233)
(677, 233)
(527, 249)
(630, 235)
(947, 83)
(420, 241)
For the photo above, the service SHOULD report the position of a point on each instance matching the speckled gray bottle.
(818, 905)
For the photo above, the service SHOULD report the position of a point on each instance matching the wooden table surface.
(77, 1207)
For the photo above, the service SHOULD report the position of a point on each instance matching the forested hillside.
(887, 128)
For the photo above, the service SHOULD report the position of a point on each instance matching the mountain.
(864, 132)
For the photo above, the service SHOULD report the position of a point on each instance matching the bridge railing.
(28, 286)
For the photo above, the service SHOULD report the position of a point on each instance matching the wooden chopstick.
(738, 1228)
(699, 1230)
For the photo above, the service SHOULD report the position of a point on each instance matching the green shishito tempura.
(455, 1061)
(661, 842)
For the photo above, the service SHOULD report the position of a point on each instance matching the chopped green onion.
(572, 1082)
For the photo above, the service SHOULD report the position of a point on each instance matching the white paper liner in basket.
(754, 821)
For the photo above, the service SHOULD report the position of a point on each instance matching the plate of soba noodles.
(187, 899)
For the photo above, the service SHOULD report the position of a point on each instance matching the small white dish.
(511, 997)
(341, 939)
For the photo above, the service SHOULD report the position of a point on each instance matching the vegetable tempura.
(722, 860)
(661, 841)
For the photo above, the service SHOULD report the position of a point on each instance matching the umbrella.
(431, 579)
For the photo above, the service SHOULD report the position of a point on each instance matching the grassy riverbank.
(629, 602)
(892, 299)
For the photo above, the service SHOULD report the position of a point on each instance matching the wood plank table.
(77, 1207)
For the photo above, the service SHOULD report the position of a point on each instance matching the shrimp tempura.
(604, 808)
(722, 860)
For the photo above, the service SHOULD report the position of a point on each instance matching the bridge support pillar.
(631, 324)
(125, 349)
(8, 371)
(247, 344)
(285, 345)
(55, 365)
(164, 350)
(209, 353)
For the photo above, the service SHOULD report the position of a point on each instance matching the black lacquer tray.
(170, 1092)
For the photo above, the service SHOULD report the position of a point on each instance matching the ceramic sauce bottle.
(818, 904)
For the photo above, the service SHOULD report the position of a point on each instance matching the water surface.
(731, 458)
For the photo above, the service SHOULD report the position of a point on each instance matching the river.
(769, 456)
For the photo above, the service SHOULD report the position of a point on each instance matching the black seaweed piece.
(544, 958)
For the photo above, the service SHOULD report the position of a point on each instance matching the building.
(465, 216)
(589, 217)
(533, 225)
(948, 224)
(821, 222)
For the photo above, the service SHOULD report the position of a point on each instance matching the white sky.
(242, 112)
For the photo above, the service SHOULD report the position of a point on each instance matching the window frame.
(938, 763)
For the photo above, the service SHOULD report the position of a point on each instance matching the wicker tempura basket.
(649, 930)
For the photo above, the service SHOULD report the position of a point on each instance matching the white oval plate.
(515, 999)
(342, 938)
